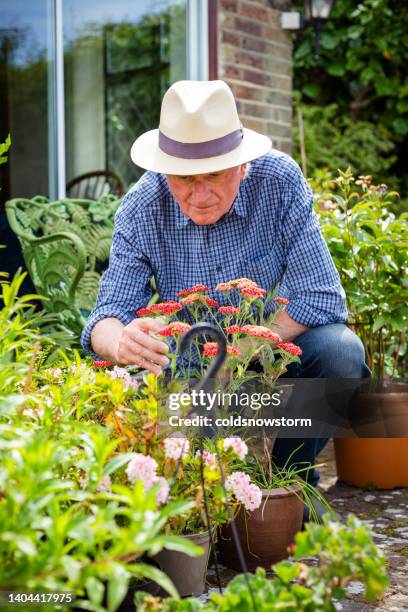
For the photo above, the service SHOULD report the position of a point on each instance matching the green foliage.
(361, 68)
(4, 147)
(345, 552)
(69, 519)
(334, 141)
(66, 246)
(369, 246)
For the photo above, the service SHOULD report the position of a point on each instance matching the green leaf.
(287, 571)
(311, 90)
(117, 586)
(379, 322)
(336, 69)
(152, 573)
(400, 126)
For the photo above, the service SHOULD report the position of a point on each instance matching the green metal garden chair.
(66, 245)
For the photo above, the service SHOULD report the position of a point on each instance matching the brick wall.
(255, 59)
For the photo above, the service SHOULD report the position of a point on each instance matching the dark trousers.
(328, 351)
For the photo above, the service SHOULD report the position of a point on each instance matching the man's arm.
(113, 331)
(288, 328)
(311, 282)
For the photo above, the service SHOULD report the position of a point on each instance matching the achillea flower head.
(231, 310)
(123, 375)
(238, 446)
(291, 348)
(175, 329)
(224, 287)
(241, 283)
(209, 301)
(233, 329)
(176, 448)
(194, 289)
(210, 349)
(166, 308)
(100, 364)
(143, 312)
(281, 300)
(190, 299)
(259, 331)
(253, 292)
(197, 288)
(143, 468)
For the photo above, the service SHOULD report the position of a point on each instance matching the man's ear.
(243, 171)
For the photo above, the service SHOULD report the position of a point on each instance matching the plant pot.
(187, 573)
(265, 533)
(382, 460)
(372, 462)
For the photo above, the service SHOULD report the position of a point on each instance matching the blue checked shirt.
(271, 235)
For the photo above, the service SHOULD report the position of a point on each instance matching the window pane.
(120, 57)
(24, 77)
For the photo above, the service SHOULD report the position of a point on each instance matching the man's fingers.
(144, 352)
(128, 356)
(150, 343)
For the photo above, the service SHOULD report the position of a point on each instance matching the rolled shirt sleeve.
(125, 285)
(311, 282)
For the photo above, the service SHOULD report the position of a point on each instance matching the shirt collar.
(239, 207)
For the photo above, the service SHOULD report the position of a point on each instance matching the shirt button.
(219, 268)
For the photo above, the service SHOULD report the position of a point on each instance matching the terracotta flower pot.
(187, 573)
(378, 461)
(265, 533)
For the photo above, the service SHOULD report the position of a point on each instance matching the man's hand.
(132, 344)
(137, 346)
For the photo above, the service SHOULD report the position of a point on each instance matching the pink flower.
(237, 482)
(104, 486)
(210, 460)
(164, 490)
(174, 448)
(143, 468)
(244, 491)
(251, 497)
(124, 376)
(238, 446)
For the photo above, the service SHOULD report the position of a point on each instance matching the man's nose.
(201, 191)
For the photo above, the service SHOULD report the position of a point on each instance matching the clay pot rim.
(292, 489)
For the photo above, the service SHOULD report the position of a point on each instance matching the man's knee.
(334, 351)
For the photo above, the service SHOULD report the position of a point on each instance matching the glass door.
(119, 58)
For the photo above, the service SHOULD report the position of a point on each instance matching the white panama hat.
(199, 132)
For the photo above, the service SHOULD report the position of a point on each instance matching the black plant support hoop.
(205, 384)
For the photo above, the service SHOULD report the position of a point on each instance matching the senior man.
(200, 215)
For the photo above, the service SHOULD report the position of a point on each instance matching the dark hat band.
(201, 150)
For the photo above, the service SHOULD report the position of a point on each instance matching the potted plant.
(266, 531)
(368, 243)
(345, 552)
(196, 475)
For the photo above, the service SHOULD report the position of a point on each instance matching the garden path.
(387, 513)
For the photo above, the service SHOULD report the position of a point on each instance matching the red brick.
(253, 11)
(249, 27)
(254, 77)
(232, 72)
(253, 44)
(229, 5)
(230, 38)
(249, 59)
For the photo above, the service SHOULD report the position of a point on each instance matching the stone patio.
(387, 513)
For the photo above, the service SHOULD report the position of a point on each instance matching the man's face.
(205, 198)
